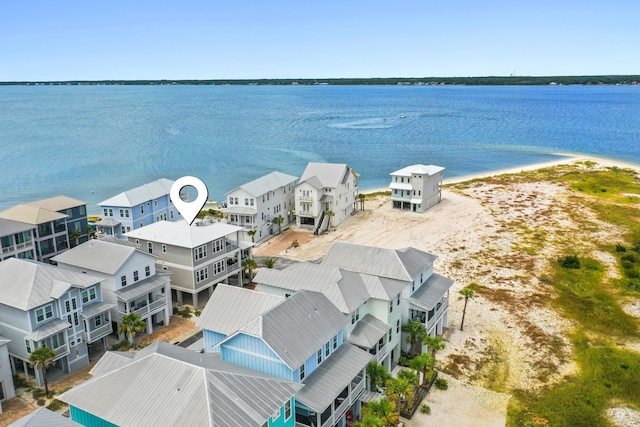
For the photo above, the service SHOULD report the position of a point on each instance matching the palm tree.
(409, 375)
(377, 374)
(75, 235)
(249, 265)
(369, 421)
(329, 213)
(252, 233)
(41, 358)
(278, 220)
(131, 325)
(466, 293)
(361, 197)
(382, 410)
(90, 232)
(422, 363)
(416, 332)
(399, 389)
(269, 262)
(434, 343)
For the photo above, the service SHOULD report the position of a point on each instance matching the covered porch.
(97, 322)
(371, 334)
(430, 304)
(108, 227)
(146, 299)
(53, 334)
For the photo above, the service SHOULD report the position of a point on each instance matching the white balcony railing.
(161, 301)
(61, 351)
(97, 333)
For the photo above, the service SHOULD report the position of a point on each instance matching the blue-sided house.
(299, 338)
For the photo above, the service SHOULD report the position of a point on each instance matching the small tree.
(249, 265)
(131, 325)
(383, 411)
(435, 344)
(75, 235)
(422, 363)
(252, 233)
(329, 214)
(41, 358)
(269, 262)
(410, 376)
(466, 293)
(278, 220)
(416, 332)
(399, 389)
(377, 374)
(361, 197)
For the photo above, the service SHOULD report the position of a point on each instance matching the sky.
(243, 39)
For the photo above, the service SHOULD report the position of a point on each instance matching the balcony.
(230, 246)
(7, 249)
(305, 199)
(145, 309)
(61, 351)
(98, 333)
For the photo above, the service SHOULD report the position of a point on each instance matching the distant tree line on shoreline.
(419, 81)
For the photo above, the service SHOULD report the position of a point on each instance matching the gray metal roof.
(31, 214)
(57, 203)
(382, 287)
(239, 210)
(298, 326)
(99, 255)
(108, 222)
(29, 284)
(92, 310)
(43, 417)
(324, 384)
(329, 175)
(169, 385)
(117, 241)
(110, 361)
(142, 287)
(9, 227)
(368, 331)
(230, 308)
(140, 194)
(431, 291)
(182, 234)
(400, 264)
(345, 289)
(269, 182)
(4, 341)
(418, 169)
(50, 328)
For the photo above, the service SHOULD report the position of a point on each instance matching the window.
(202, 274)
(73, 343)
(302, 372)
(235, 200)
(164, 249)
(389, 340)
(218, 267)
(97, 320)
(74, 304)
(335, 342)
(398, 326)
(44, 313)
(76, 321)
(67, 306)
(124, 213)
(155, 203)
(70, 321)
(355, 316)
(110, 212)
(105, 212)
(319, 356)
(171, 214)
(246, 201)
(217, 245)
(287, 410)
(135, 276)
(200, 252)
(141, 209)
(327, 349)
(391, 306)
(251, 200)
(413, 286)
(123, 280)
(28, 344)
(147, 271)
(398, 301)
(150, 247)
(87, 295)
(2, 397)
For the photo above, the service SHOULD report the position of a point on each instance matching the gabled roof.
(29, 284)
(57, 203)
(269, 182)
(418, 169)
(168, 385)
(9, 227)
(44, 417)
(368, 331)
(431, 291)
(400, 264)
(223, 314)
(141, 194)
(4, 341)
(382, 287)
(297, 327)
(345, 289)
(327, 175)
(31, 214)
(117, 241)
(99, 255)
(181, 234)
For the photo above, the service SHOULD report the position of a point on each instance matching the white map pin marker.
(189, 210)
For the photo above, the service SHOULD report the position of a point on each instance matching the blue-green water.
(91, 142)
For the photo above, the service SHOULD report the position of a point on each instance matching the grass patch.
(607, 184)
(375, 194)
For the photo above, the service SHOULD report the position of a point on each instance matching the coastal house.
(136, 208)
(299, 339)
(416, 188)
(424, 296)
(199, 256)
(58, 221)
(17, 239)
(165, 385)
(130, 281)
(44, 305)
(325, 187)
(7, 389)
(363, 299)
(255, 204)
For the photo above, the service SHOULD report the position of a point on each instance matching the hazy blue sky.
(92, 40)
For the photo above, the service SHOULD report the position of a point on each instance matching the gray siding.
(14, 317)
(16, 346)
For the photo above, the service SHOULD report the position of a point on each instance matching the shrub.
(38, 393)
(403, 361)
(620, 248)
(41, 402)
(123, 345)
(175, 309)
(636, 247)
(185, 312)
(19, 381)
(197, 313)
(569, 261)
(442, 384)
(54, 405)
(630, 258)
(295, 244)
(425, 409)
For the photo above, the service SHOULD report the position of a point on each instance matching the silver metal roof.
(29, 284)
(298, 326)
(142, 287)
(108, 222)
(43, 417)
(324, 384)
(329, 175)
(92, 310)
(110, 361)
(239, 210)
(50, 328)
(230, 308)
(368, 331)
(117, 241)
(57, 203)
(99, 255)
(140, 194)
(4, 341)
(418, 169)
(269, 182)
(431, 291)
(182, 234)
(382, 287)
(345, 289)
(400, 264)
(169, 385)
(9, 227)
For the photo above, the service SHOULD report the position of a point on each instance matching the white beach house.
(417, 187)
